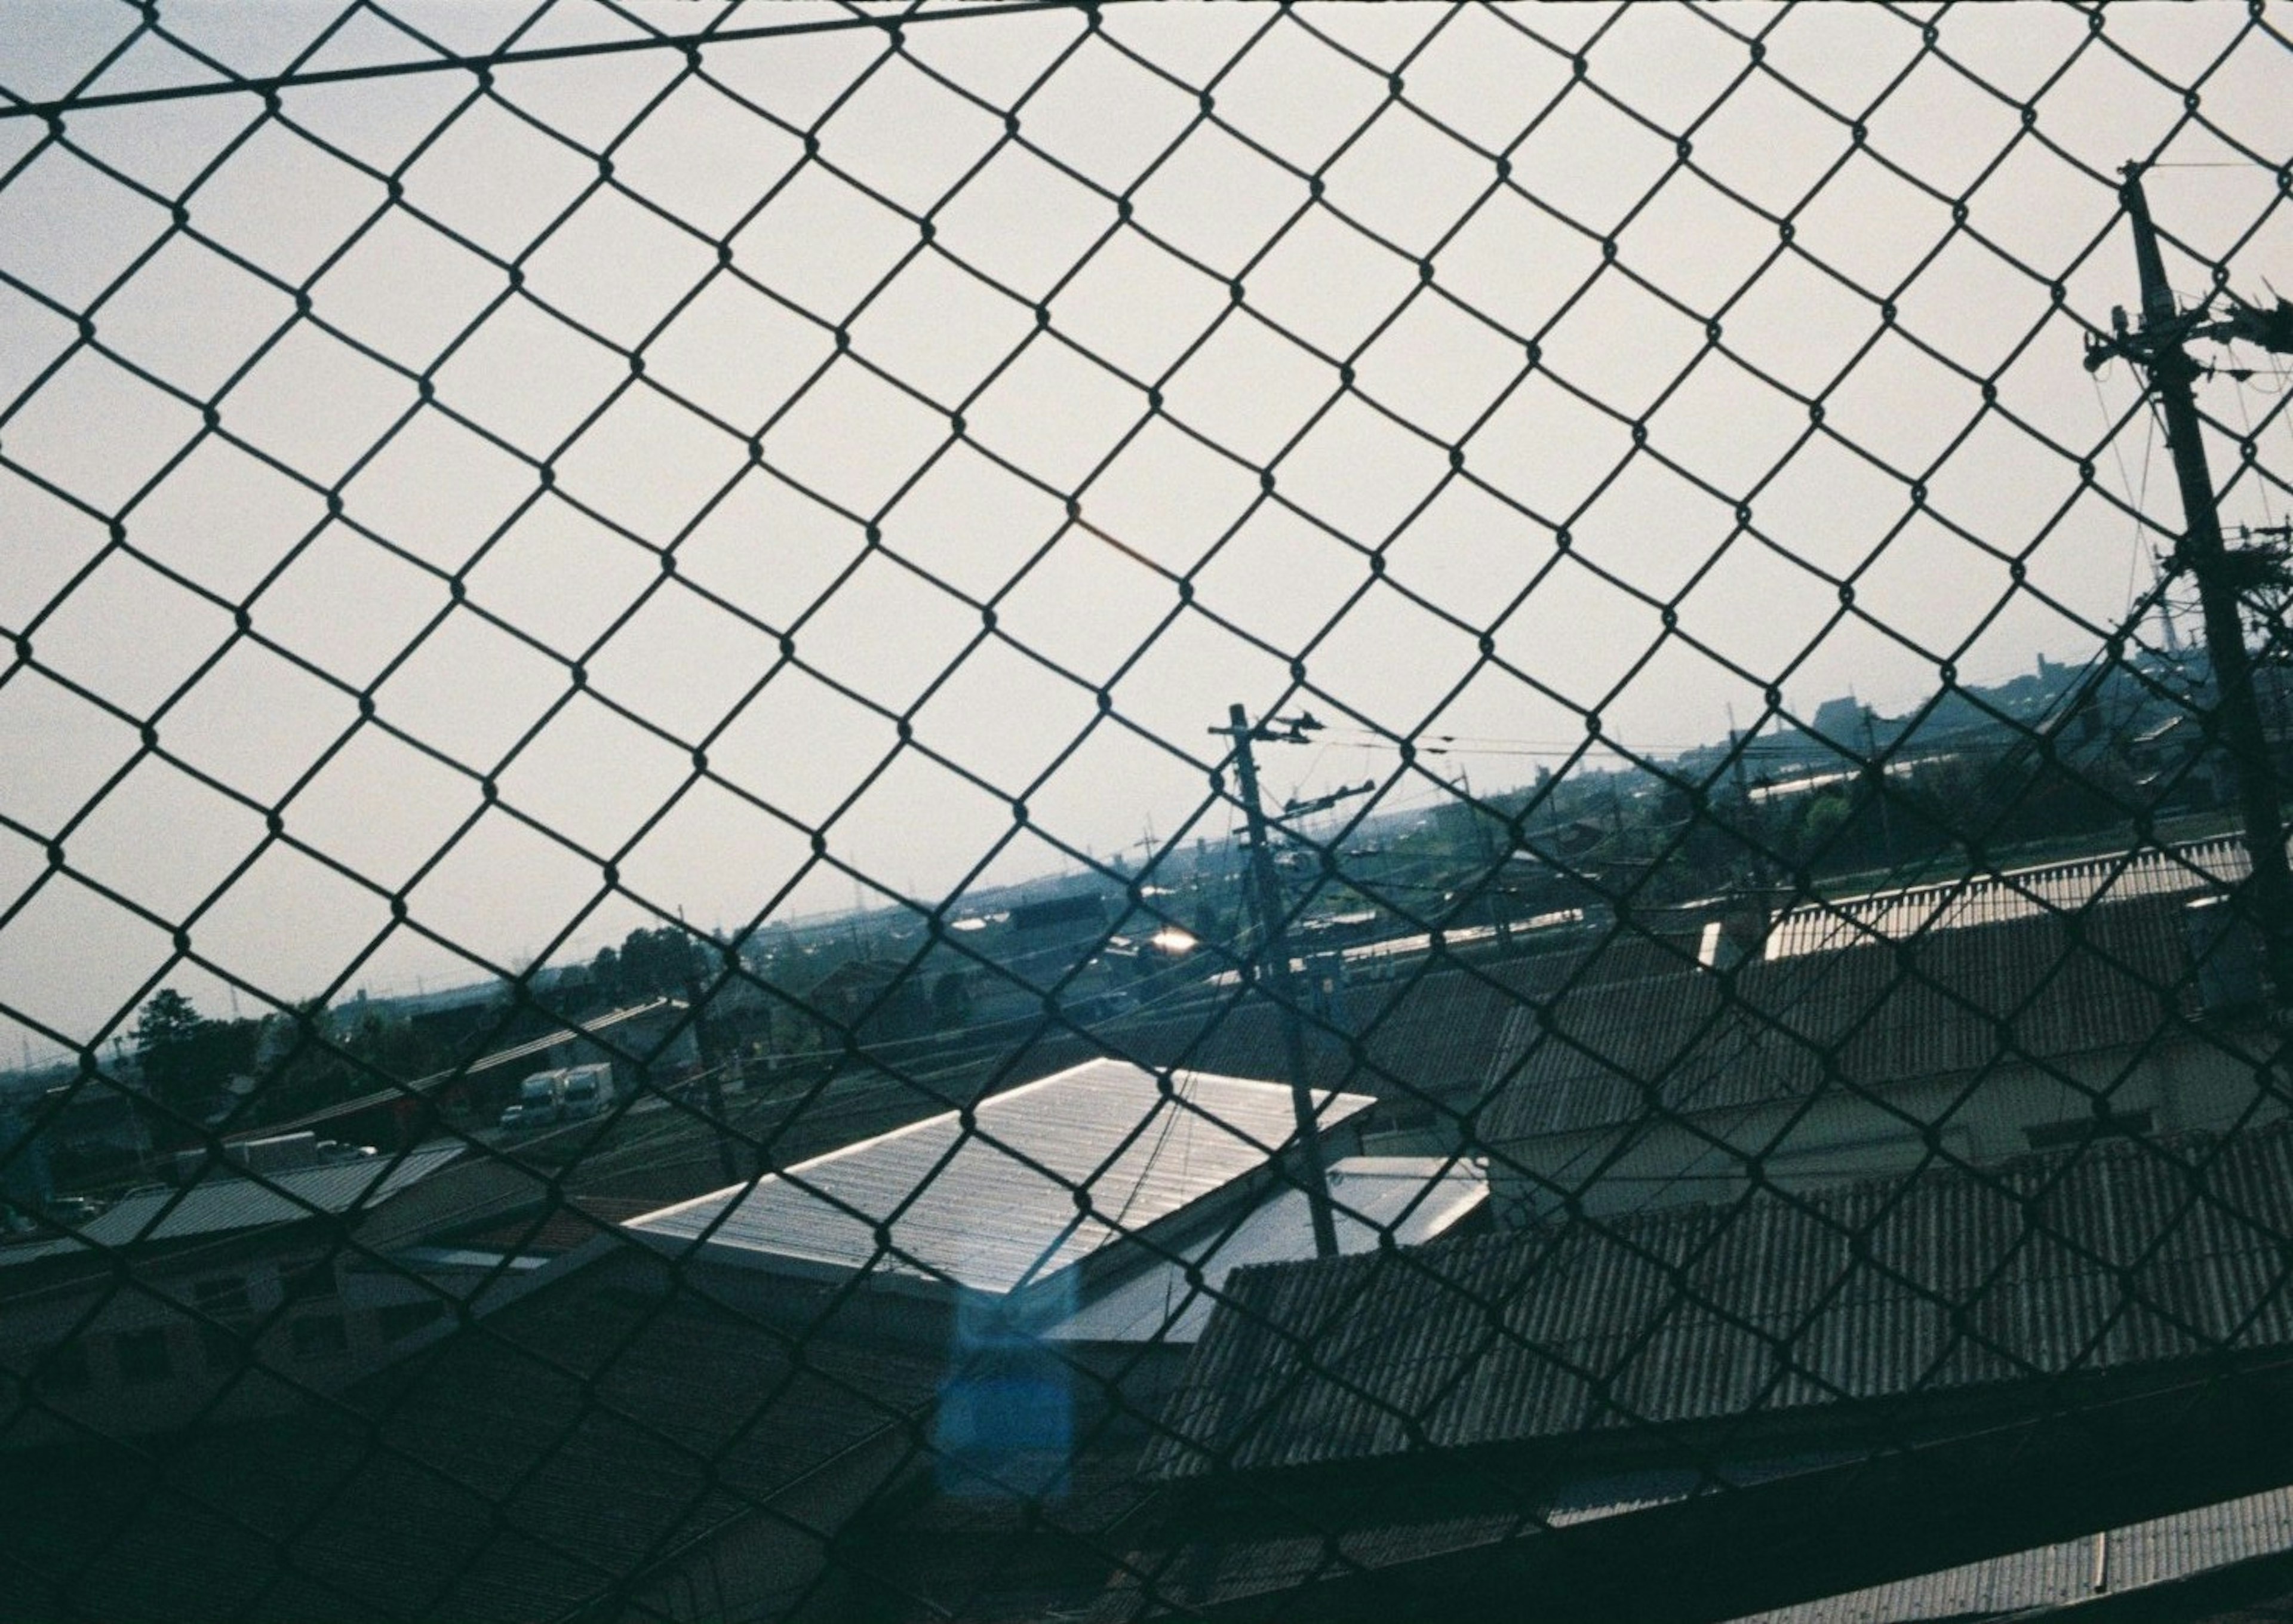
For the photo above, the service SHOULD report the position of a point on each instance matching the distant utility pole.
(1498, 928)
(1265, 894)
(1879, 784)
(1748, 832)
(2156, 346)
(712, 1073)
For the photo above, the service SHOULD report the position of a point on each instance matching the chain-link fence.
(1035, 811)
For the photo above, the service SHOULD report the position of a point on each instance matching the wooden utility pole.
(1272, 957)
(2156, 346)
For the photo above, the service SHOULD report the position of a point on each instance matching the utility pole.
(2157, 347)
(1265, 893)
(1497, 925)
(1879, 785)
(1748, 831)
(711, 1073)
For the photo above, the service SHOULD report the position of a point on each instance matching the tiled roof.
(1952, 1003)
(2118, 1255)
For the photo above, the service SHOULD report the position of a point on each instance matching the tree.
(658, 963)
(187, 1059)
(166, 1045)
(605, 974)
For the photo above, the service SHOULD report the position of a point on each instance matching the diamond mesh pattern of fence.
(1037, 811)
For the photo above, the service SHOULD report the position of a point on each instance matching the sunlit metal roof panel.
(1047, 1174)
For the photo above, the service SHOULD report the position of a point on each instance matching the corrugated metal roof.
(995, 1207)
(1953, 1003)
(1410, 1199)
(2117, 1255)
(2055, 1575)
(2021, 893)
(220, 1203)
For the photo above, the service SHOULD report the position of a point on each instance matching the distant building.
(873, 999)
(258, 1284)
(1965, 1045)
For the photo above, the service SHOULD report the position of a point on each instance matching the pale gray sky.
(743, 345)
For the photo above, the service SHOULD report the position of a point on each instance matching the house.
(255, 1287)
(1962, 1043)
(1723, 1410)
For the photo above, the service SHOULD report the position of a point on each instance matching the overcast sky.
(1285, 379)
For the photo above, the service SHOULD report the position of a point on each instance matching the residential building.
(255, 1287)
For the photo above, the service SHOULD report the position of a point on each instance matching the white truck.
(585, 1091)
(569, 1094)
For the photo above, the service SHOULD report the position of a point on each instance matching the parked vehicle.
(587, 1091)
(540, 1102)
(569, 1094)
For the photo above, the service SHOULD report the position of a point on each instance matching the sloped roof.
(2021, 894)
(221, 1203)
(2117, 1255)
(1403, 1200)
(999, 1204)
(1952, 1003)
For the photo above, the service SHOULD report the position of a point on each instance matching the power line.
(485, 61)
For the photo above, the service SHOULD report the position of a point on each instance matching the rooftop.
(513, 1471)
(1957, 1002)
(1402, 1200)
(997, 1205)
(2116, 1255)
(2160, 1551)
(2021, 893)
(220, 1203)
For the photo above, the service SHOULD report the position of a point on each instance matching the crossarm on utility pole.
(2157, 346)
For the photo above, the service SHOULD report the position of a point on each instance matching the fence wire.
(619, 583)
